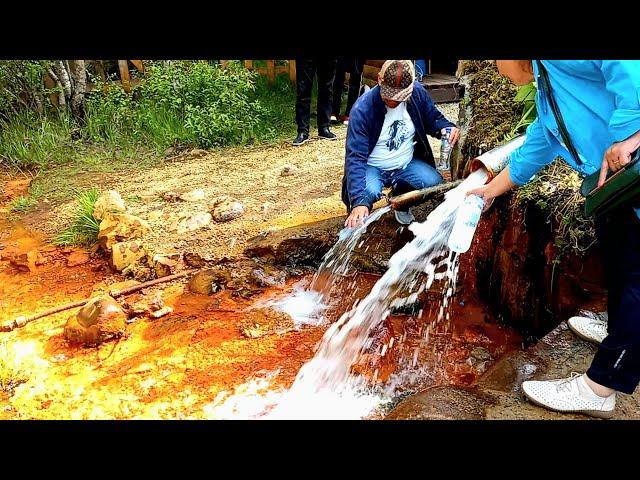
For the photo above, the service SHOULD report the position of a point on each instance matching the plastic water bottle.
(467, 220)
(445, 150)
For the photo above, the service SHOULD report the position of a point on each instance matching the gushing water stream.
(327, 374)
(325, 387)
(336, 260)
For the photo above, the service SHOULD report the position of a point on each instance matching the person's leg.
(375, 180)
(421, 69)
(355, 80)
(415, 176)
(616, 364)
(326, 74)
(305, 71)
(338, 83)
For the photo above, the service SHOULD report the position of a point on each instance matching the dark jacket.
(365, 124)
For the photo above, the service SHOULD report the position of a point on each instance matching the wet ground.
(175, 366)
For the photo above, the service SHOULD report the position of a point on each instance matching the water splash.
(335, 263)
(304, 306)
(412, 269)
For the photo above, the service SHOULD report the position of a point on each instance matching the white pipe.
(497, 158)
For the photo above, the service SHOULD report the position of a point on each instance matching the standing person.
(599, 105)
(421, 69)
(387, 143)
(306, 70)
(355, 68)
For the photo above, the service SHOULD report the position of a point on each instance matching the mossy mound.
(494, 110)
(556, 191)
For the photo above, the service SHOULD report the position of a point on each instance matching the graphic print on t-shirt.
(397, 133)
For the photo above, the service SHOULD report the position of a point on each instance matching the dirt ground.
(252, 175)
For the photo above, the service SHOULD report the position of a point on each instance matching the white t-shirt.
(394, 148)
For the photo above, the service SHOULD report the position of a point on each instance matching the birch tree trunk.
(63, 75)
(79, 74)
(54, 77)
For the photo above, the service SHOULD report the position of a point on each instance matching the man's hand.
(357, 216)
(453, 135)
(617, 156)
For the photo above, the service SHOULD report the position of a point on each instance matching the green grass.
(31, 141)
(123, 132)
(84, 228)
(24, 203)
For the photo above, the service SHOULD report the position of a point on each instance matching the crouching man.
(387, 142)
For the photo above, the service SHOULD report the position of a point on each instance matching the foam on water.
(335, 263)
(305, 307)
(325, 386)
(329, 371)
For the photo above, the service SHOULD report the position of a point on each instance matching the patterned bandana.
(397, 79)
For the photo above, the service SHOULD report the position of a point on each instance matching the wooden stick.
(21, 321)
(124, 75)
(419, 196)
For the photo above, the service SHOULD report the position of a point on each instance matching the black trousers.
(617, 362)
(305, 71)
(355, 68)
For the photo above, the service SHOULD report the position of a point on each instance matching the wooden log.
(124, 75)
(271, 70)
(139, 65)
(370, 72)
(292, 71)
(375, 63)
(248, 64)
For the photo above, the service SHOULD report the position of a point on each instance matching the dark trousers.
(617, 362)
(355, 68)
(305, 71)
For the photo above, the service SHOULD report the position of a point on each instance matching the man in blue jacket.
(387, 142)
(599, 101)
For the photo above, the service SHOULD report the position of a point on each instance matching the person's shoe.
(569, 395)
(404, 218)
(345, 120)
(327, 134)
(301, 139)
(590, 328)
(334, 120)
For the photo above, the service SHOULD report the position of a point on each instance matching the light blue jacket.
(600, 104)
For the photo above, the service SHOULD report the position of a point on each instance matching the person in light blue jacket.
(599, 102)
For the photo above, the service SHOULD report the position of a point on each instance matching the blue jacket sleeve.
(622, 79)
(357, 154)
(433, 119)
(533, 154)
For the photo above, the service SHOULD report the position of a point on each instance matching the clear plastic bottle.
(445, 150)
(467, 220)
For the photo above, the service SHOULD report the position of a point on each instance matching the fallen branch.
(419, 196)
(21, 321)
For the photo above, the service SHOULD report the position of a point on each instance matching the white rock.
(193, 196)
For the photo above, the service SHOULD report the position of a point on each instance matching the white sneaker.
(404, 218)
(569, 395)
(590, 328)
